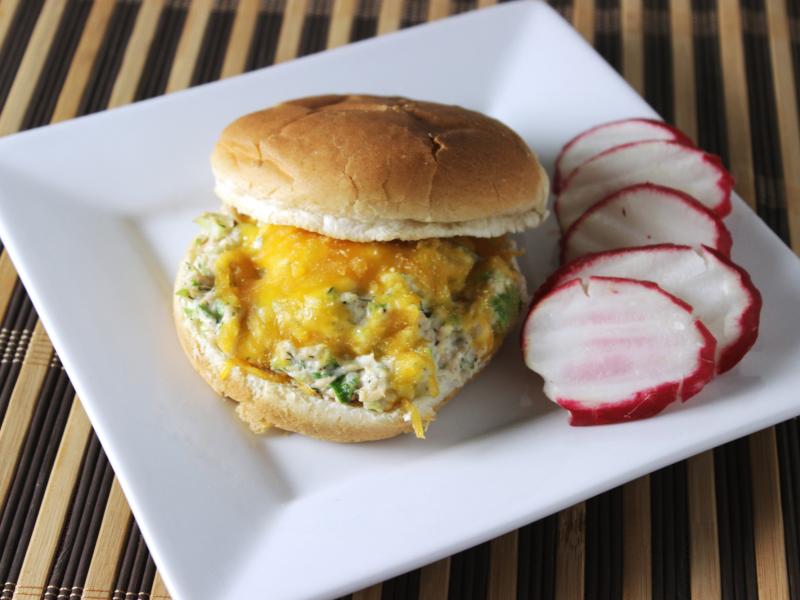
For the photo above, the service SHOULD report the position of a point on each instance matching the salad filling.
(377, 324)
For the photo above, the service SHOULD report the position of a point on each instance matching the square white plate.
(96, 214)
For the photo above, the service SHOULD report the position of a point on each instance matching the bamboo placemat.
(723, 524)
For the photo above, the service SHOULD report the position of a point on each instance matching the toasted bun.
(264, 404)
(372, 168)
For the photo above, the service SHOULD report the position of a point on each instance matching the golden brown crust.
(374, 159)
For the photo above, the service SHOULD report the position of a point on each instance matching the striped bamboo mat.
(724, 524)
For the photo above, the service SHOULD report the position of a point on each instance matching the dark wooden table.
(723, 524)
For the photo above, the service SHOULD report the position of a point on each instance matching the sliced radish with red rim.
(666, 163)
(613, 350)
(599, 139)
(720, 293)
(642, 215)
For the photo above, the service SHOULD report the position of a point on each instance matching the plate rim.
(504, 526)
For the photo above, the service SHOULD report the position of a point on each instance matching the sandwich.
(360, 271)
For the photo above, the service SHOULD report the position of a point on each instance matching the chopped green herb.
(345, 387)
(214, 314)
(326, 371)
(505, 305)
(203, 286)
(183, 293)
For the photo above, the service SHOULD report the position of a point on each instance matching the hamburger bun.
(401, 175)
(371, 168)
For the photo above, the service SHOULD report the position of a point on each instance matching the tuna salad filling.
(376, 325)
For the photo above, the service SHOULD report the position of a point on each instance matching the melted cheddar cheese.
(284, 287)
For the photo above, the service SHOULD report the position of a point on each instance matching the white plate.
(96, 214)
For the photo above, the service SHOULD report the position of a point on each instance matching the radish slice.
(599, 139)
(613, 350)
(686, 169)
(721, 293)
(642, 215)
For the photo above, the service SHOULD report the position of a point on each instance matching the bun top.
(372, 168)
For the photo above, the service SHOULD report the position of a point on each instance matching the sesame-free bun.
(283, 404)
(372, 168)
